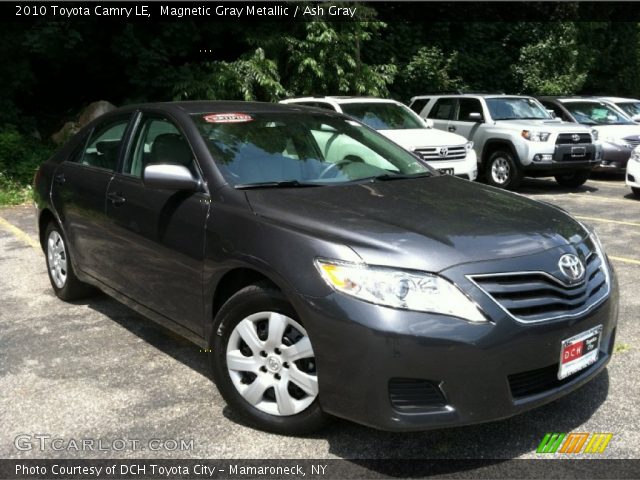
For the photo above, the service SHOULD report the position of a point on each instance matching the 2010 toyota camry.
(328, 270)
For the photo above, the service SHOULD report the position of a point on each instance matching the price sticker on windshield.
(227, 118)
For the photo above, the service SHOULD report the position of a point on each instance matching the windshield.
(630, 108)
(301, 148)
(596, 113)
(516, 108)
(382, 116)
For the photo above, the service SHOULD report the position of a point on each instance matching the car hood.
(617, 131)
(412, 138)
(554, 125)
(426, 224)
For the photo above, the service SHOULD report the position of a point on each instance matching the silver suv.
(514, 136)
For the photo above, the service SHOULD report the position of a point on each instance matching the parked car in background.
(514, 136)
(629, 106)
(370, 288)
(444, 151)
(616, 132)
(633, 172)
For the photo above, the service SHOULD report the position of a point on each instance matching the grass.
(621, 348)
(13, 193)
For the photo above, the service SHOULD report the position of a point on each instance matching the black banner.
(317, 469)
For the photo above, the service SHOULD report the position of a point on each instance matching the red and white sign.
(227, 118)
(579, 351)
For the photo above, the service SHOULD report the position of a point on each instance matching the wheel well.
(234, 281)
(491, 147)
(45, 217)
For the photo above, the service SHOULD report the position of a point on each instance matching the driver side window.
(158, 140)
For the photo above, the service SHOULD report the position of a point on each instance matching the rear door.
(158, 236)
(442, 112)
(79, 191)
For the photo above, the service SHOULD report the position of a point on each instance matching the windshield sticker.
(227, 118)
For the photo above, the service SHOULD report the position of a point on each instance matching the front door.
(158, 235)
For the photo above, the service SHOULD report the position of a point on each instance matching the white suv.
(514, 136)
(446, 152)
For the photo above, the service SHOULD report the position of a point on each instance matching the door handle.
(452, 128)
(116, 198)
(59, 179)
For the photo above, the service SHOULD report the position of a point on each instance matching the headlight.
(594, 134)
(469, 145)
(635, 155)
(597, 245)
(535, 136)
(417, 291)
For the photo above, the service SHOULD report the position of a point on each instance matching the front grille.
(538, 296)
(442, 153)
(414, 395)
(568, 138)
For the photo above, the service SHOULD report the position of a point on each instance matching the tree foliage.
(429, 70)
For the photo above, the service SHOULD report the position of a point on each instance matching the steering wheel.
(333, 166)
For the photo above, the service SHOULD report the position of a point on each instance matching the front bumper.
(614, 158)
(466, 168)
(362, 348)
(633, 174)
(542, 158)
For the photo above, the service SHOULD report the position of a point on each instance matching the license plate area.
(446, 171)
(579, 352)
(578, 152)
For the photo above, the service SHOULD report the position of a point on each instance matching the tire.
(636, 191)
(573, 179)
(502, 170)
(63, 278)
(249, 330)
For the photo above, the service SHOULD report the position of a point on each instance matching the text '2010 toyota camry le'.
(365, 286)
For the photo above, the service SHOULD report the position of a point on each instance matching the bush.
(20, 157)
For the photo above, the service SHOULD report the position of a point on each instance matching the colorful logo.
(574, 443)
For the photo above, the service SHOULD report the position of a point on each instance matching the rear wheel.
(63, 279)
(264, 364)
(503, 171)
(573, 179)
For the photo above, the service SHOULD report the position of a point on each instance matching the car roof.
(468, 95)
(217, 106)
(341, 100)
(619, 99)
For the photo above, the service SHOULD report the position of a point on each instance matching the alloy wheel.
(57, 259)
(500, 170)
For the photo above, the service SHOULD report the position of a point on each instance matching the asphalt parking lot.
(97, 370)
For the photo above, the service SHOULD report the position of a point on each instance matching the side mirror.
(636, 118)
(551, 112)
(428, 122)
(169, 176)
(475, 117)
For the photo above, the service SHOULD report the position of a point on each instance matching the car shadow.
(548, 186)
(497, 441)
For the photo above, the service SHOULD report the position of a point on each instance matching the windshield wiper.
(282, 184)
(398, 176)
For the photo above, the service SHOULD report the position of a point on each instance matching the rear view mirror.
(636, 118)
(475, 117)
(169, 176)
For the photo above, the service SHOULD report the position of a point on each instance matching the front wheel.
(573, 179)
(502, 170)
(264, 364)
(63, 278)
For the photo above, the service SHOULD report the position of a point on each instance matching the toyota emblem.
(575, 137)
(444, 151)
(571, 267)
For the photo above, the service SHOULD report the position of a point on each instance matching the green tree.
(251, 77)
(551, 65)
(328, 60)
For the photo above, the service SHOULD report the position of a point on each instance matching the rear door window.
(103, 147)
(443, 109)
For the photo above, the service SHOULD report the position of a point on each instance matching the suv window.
(419, 104)
(103, 148)
(557, 110)
(443, 109)
(467, 106)
(158, 140)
